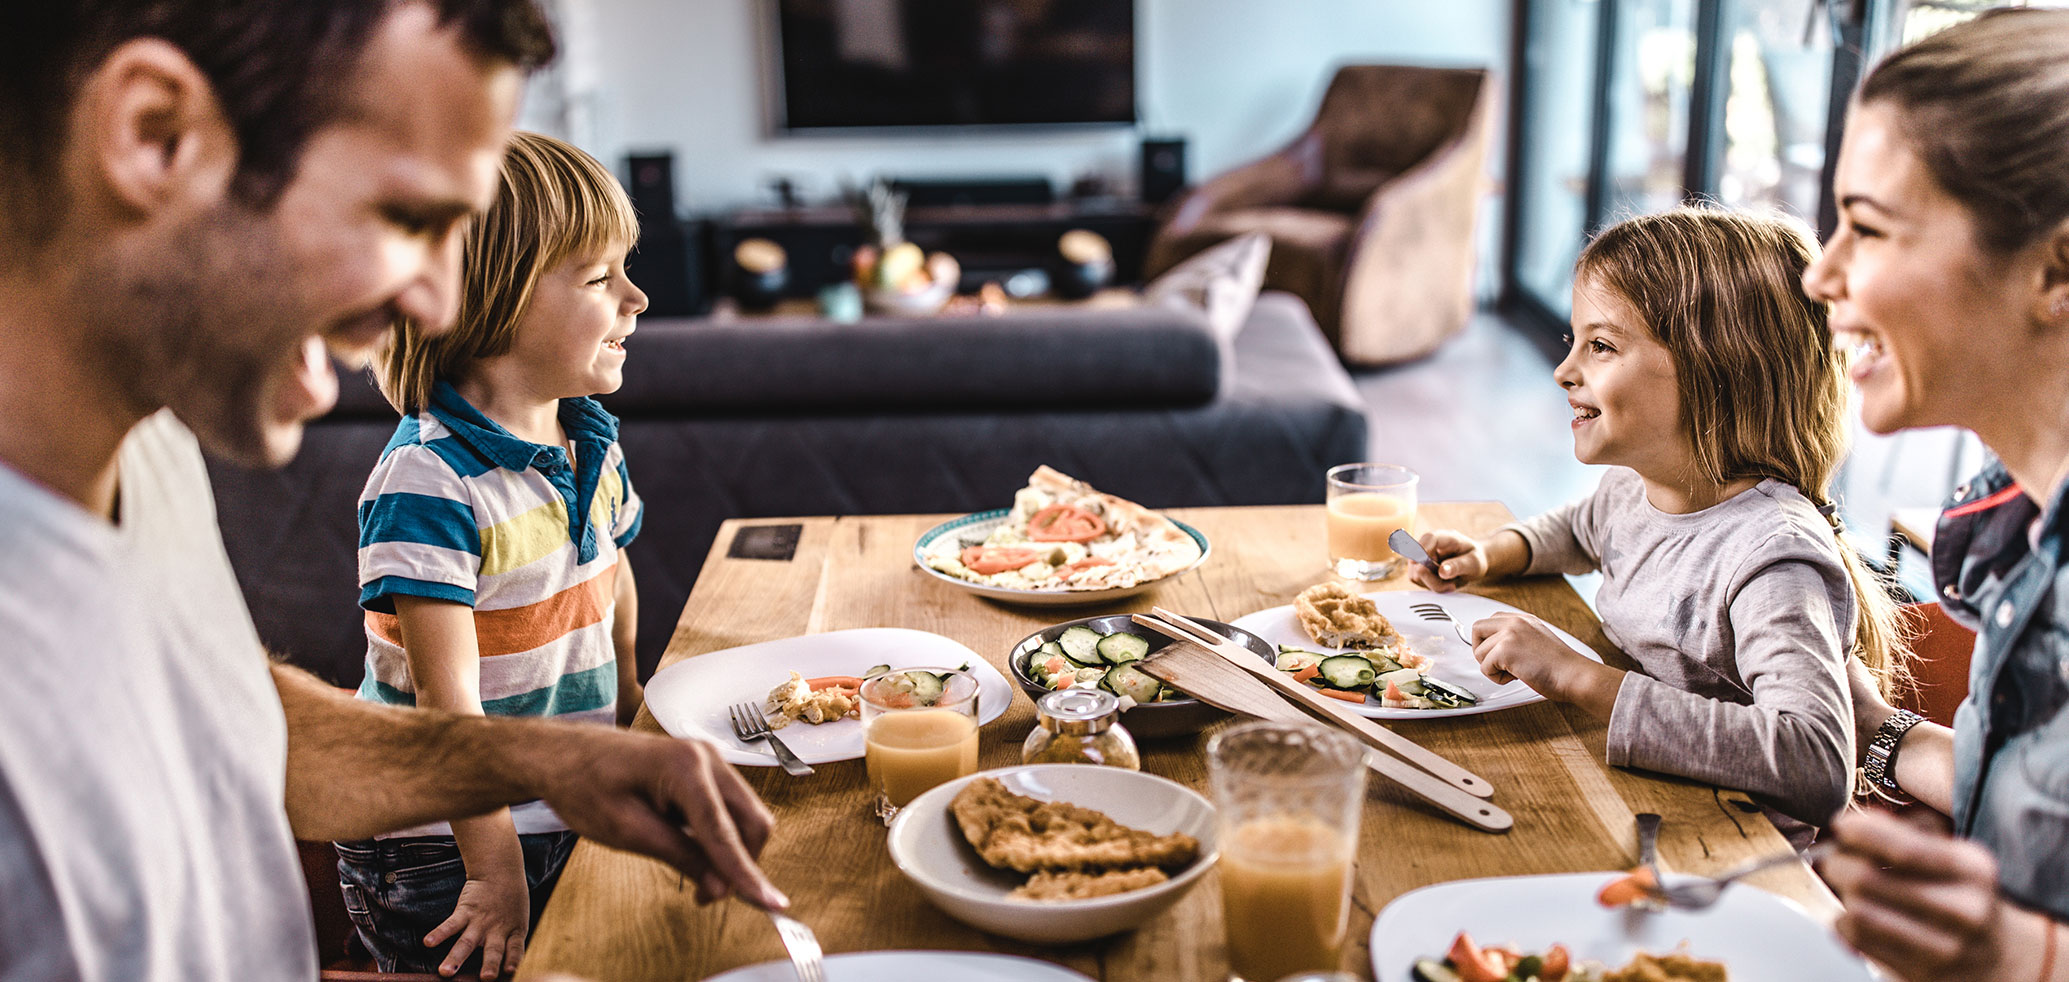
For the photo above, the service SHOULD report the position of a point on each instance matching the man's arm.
(358, 768)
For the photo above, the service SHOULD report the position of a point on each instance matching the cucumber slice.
(1348, 671)
(1081, 643)
(1121, 647)
(1432, 970)
(875, 670)
(1399, 676)
(1292, 659)
(1136, 684)
(926, 687)
(1445, 692)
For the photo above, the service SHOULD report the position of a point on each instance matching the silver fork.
(749, 726)
(807, 959)
(1701, 893)
(1433, 612)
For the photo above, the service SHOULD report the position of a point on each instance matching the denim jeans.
(397, 890)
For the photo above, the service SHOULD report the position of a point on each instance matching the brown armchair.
(1370, 211)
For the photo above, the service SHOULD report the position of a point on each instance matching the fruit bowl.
(909, 304)
(903, 281)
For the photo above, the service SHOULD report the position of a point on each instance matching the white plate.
(690, 697)
(1451, 658)
(906, 966)
(972, 529)
(1756, 934)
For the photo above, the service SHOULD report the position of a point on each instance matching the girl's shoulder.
(1781, 524)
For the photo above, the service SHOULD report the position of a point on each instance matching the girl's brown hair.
(554, 201)
(1763, 392)
(1985, 104)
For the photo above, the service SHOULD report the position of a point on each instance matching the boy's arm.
(357, 768)
(624, 634)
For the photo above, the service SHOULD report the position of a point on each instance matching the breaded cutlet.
(1020, 833)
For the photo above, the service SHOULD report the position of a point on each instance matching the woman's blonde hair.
(1762, 390)
(554, 201)
(1985, 104)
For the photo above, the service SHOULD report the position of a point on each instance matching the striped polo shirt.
(459, 509)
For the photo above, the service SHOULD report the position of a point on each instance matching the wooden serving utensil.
(1212, 679)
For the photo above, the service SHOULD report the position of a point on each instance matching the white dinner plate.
(972, 530)
(690, 697)
(1451, 659)
(908, 966)
(1756, 934)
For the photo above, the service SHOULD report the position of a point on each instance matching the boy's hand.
(1460, 560)
(1511, 645)
(1926, 905)
(491, 917)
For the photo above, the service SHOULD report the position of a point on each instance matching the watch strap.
(1881, 756)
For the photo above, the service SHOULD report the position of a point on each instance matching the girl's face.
(1620, 382)
(1934, 322)
(571, 337)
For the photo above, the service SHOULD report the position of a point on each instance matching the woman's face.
(1937, 325)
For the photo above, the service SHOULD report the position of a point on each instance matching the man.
(201, 203)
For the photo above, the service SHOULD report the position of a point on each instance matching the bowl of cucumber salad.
(1099, 652)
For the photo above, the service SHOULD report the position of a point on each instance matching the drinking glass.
(1366, 503)
(1287, 798)
(912, 742)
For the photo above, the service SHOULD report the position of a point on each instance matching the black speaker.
(669, 267)
(652, 187)
(1163, 169)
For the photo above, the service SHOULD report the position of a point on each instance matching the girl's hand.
(1511, 645)
(491, 917)
(1926, 905)
(1460, 560)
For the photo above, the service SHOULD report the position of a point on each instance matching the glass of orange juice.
(919, 729)
(1367, 502)
(1287, 798)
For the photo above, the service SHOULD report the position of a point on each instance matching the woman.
(1949, 278)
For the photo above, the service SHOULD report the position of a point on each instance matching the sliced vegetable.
(1472, 964)
(1357, 697)
(1307, 673)
(1064, 523)
(832, 681)
(1089, 562)
(1447, 694)
(875, 670)
(1558, 962)
(988, 560)
(1628, 889)
(1121, 647)
(1081, 643)
(1132, 682)
(1348, 671)
(1432, 970)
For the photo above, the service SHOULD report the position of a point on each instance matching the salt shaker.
(1080, 726)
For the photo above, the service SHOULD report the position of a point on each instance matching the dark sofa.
(775, 417)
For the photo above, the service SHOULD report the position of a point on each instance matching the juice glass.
(1366, 503)
(1287, 798)
(915, 738)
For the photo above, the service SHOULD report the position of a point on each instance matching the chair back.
(1377, 121)
(1942, 649)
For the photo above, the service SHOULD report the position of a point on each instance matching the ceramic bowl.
(1151, 720)
(929, 848)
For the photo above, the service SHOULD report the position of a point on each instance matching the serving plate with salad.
(1101, 652)
(1436, 676)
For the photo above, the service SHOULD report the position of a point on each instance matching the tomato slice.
(1628, 889)
(986, 560)
(1073, 569)
(1064, 523)
(1471, 963)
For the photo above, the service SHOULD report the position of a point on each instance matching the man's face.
(247, 304)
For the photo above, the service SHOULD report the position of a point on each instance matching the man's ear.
(148, 132)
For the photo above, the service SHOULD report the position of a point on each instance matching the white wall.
(1235, 77)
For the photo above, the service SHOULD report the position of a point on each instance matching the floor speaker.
(1163, 169)
(652, 186)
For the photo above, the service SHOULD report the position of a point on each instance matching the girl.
(491, 545)
(1701, 373)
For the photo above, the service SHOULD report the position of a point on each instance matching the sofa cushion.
(1221, 282)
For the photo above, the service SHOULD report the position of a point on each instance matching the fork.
(1700, 893)
(749, 726)
(807, 959)
(1435, 612)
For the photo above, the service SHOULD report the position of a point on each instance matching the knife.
(1406, 546)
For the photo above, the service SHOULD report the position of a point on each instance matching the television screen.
(879, 63)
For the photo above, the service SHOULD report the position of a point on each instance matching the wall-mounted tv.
(906, 63)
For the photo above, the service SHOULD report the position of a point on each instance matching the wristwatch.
(1882, 751)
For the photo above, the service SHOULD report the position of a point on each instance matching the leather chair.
(1371, 211)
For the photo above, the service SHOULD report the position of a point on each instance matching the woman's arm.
(1925, 755)
(624, 635)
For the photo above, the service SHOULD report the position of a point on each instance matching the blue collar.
(586, 422)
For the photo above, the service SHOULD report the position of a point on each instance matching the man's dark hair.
(279, 68)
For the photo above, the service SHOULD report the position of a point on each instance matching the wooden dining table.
(618, 917)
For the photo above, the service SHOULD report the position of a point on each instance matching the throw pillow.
(1221, 282)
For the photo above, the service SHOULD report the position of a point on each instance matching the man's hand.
(492, 917)
(1926, 905)
(674, 800)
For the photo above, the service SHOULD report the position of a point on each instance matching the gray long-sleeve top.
(1740, 617)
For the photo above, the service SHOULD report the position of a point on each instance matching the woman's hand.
(1926, 905)
(491, 917)
(1460, 560)
(1512, 645)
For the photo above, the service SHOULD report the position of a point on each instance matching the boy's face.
(227, 314)
(570, 340)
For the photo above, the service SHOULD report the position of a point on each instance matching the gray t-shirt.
(143, 752)
(1740, 617)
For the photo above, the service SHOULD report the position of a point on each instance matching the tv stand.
(990, 241)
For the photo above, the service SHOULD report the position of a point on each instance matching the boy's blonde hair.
(1763, 392)
(554, 201)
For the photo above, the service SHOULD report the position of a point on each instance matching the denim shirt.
(1995, 573)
